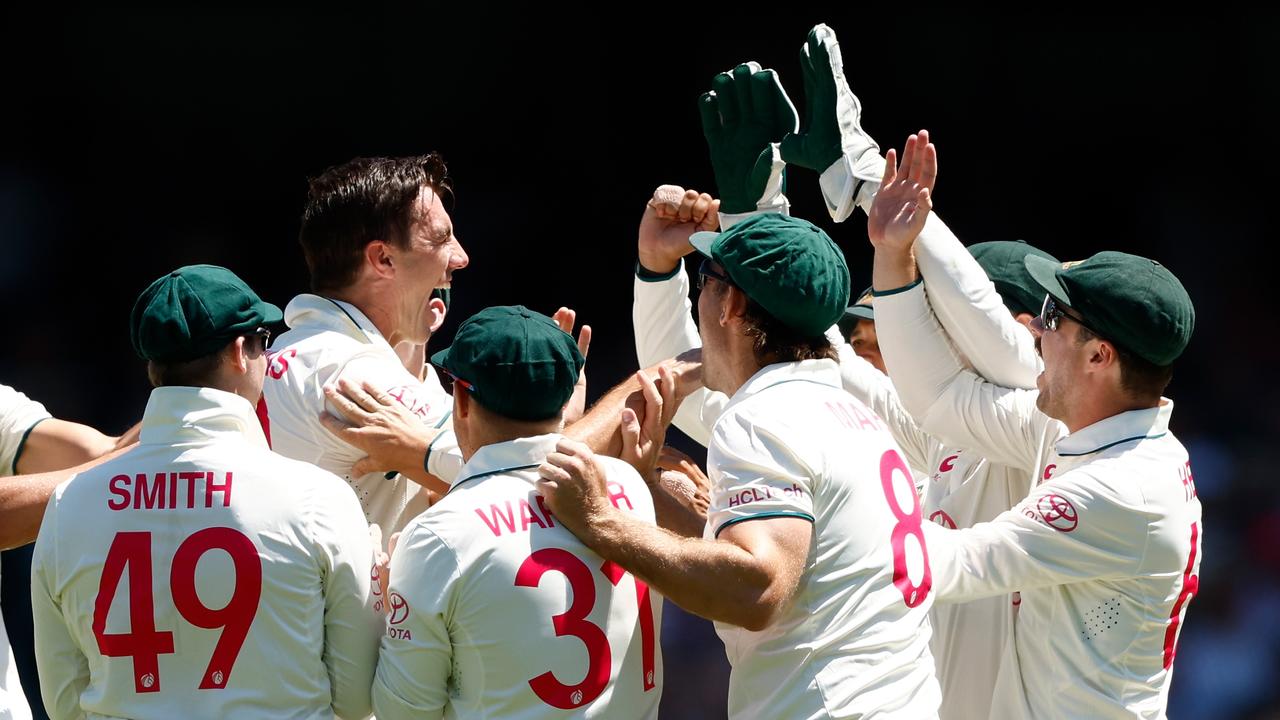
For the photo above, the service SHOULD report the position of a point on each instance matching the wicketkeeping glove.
(744, 117)
(831, 140)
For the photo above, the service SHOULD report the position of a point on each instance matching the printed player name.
(169, 491)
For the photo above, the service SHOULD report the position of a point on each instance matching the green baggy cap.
(195, 311)
(860, 310)
(515, 362)
(1003, 262)
(1130, 300)
(789, 266)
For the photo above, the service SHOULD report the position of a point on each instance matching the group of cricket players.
(951, 495)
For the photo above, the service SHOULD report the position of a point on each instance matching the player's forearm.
(892, 270)
(600, 428)
(971, 310)
(23, 499)
(713, 579)
(56, 444)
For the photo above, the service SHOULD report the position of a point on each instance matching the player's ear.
(735, 304)
(377, 257)
(237, 355)
(461, 402)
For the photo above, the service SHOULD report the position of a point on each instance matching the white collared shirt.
(18, 415)
(957, 488)
(329, 339)
(855, 639)
(1104, 551)
(252, 569)
(498, 611)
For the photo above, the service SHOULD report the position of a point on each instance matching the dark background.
(137, 141)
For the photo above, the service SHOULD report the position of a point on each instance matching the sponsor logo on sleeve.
(1057, 512)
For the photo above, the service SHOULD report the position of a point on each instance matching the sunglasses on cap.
(705, 271)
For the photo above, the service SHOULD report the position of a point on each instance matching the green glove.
(743, 118)
(831, 140)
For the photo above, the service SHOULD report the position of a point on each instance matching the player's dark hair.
(1142, 379)
(358, 202)
(200, 372)
(774, 342)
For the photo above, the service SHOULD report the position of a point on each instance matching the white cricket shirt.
(498, 611)
(18, 415)
(201, 575)
(855, 640)
(1105, 551)
(958, 489)
(329, 339)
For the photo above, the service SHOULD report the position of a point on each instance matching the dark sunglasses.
(1051, 315)
(705, 271)
(262, 334)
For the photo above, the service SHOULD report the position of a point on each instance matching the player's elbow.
(758, 613)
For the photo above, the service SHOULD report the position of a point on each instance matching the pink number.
(143, 643)
(1190, 584)
(615, 573)
(571, 622)
(908, 524)
(237, 615)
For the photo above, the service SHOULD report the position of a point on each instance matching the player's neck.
(1095, 407)
(374, 303)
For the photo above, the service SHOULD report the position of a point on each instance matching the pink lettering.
(191, 478)
(616, 493)
(149, 495)
(866, 421)
(120, 492)
(496, 514)
(279, 363)
(546, 512)
(211, 487)
(527, 514)
(948, 463)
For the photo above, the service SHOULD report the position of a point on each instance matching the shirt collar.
(823, 372)
(1147, 423)
(178, 415)
(518, 454)
(337, 315)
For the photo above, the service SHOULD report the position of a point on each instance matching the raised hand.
(643, 435)
(577, 405)
(905, 197)
(670, 217)
(831, 140)
(744, 117)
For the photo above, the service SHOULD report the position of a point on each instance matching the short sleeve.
(755, 475)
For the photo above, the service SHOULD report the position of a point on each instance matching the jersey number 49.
(145, 644)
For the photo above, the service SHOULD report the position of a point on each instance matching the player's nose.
(458, 259)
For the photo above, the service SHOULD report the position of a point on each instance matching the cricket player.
(378, 242)
(248, 575)
(33, 442)
(497, 610)
(1106, 550)
(812, 563)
